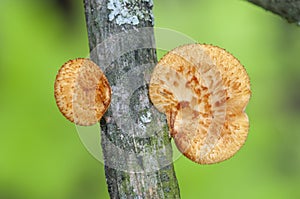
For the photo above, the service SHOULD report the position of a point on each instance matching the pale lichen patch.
(146, 118)
(130, 11)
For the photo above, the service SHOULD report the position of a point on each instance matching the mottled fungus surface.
(82, 92)
(203, 90)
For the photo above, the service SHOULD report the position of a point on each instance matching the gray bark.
(134, 137)
(288, 9)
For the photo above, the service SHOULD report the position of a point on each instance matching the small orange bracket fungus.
(82, 92)
(203, 90)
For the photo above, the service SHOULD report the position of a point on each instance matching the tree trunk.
(288, 9)
(134, 137)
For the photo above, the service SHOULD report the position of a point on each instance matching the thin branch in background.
(288, 9)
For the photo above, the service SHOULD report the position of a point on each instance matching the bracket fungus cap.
(203, 90)
(82, 91)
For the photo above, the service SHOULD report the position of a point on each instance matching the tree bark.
(134, 137)
(288, 9)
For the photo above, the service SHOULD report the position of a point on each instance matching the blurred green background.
(41, 155)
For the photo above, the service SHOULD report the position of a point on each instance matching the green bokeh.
(41, 155)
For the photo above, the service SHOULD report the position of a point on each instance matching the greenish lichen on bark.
(135, 140)
(129, 12)
(288, 9)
